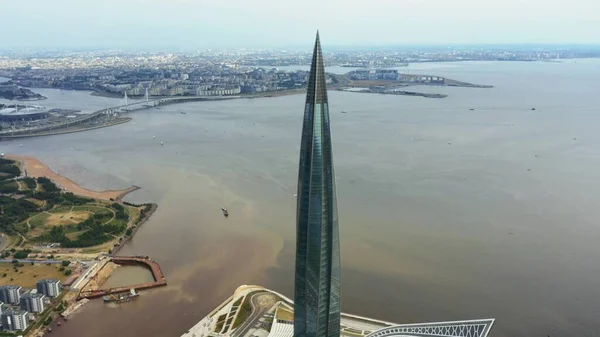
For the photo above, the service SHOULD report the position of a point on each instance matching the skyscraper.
(317, 282)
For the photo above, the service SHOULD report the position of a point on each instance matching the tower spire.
(317, 280)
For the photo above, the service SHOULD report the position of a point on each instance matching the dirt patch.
(68, 218)
(98, 280)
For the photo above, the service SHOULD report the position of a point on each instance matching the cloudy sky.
(200, 24)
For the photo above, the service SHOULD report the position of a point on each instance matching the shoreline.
(33, 167)
(153, 208)
(66, 130)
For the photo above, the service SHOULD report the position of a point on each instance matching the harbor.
(108, 294)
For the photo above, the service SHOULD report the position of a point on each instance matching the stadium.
(28, 113)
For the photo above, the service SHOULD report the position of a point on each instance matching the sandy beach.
(35, 168)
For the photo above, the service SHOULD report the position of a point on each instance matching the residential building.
(13, 320)
(317, 280)
(10, 294)
(48, 287)
(32, 302)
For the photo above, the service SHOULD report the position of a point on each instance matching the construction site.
(91, 288)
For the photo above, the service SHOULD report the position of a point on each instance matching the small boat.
(472, 109)
(225, 213)
(532, 109)
(344, 111)
(59, 323)
(161, 143)
(182, 112)
(120, 298)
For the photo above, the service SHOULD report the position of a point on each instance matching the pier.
(159, 278)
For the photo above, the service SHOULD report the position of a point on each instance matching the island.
(55, 233)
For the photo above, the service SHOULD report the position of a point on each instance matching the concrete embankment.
(159, 277)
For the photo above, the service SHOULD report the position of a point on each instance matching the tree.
(66, 263)
(128, 232)
(68, 272)
(4, 274)
(15, 261)
(22, 254)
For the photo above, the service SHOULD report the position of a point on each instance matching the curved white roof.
(472, 328)
(23, 111)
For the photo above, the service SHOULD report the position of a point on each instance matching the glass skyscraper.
(317, 283)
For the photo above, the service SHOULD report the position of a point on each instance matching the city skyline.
(317, 272)
(189, 25)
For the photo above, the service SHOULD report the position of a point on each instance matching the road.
(261, 303)
(28, 261)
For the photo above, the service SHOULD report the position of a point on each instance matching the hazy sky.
(201, 24)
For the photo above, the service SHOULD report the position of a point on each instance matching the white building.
(14, 320)
(48, 287)
(10, 294)
(32, 302)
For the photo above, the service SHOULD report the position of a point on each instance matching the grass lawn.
(94, 209)
(30, 274)
(243, 312)
(39, 219)
(39, 203)
(284, 314)
(66, 218)
(61, 209)
(74, 235)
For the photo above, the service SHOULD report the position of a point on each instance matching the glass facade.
(317, 282)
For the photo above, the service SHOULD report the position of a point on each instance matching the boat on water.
(120, 298)
(225, 213)
(344, 111)
(182, 112)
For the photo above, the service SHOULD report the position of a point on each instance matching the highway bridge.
(104, 113)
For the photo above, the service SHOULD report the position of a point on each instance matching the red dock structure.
(159, 277)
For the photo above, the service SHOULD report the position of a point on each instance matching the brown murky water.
(445, 213)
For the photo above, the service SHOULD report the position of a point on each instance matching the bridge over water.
(111, 114)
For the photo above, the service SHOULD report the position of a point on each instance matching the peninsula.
(12, 91)
(54, 229)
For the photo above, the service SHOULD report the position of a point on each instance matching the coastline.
(142, 221)
(33, 167)
(67, 130)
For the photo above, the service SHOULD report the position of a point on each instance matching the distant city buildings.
(48, 287)
(14, 320)
(10, 294)
(32, 302)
